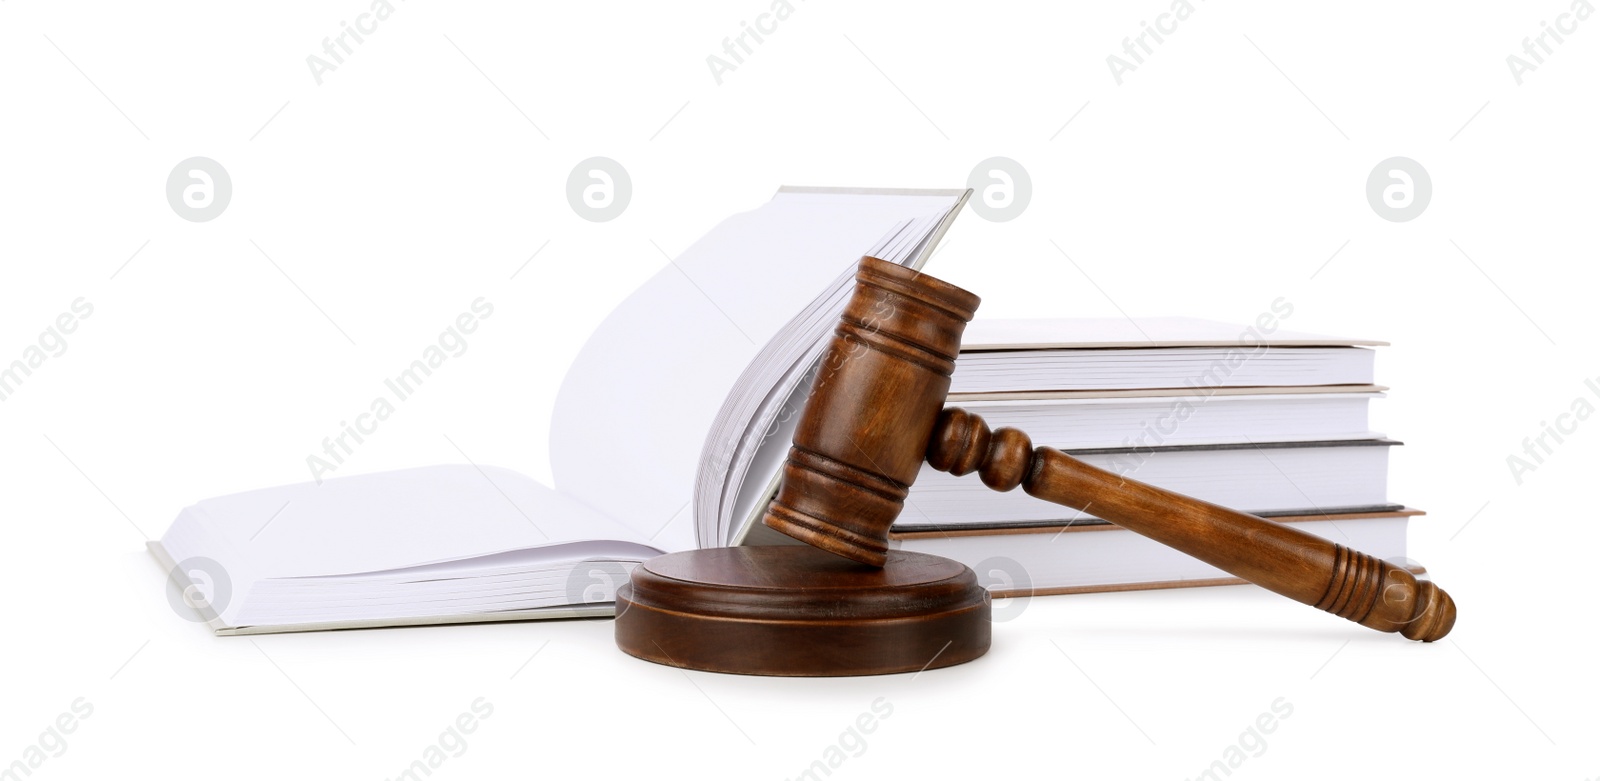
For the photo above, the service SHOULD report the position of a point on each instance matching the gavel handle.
(1275, 556)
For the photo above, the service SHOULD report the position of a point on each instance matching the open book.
(725, 335)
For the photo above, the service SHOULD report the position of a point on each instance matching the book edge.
(597, 610)
(1015, 529)
(1137, 393)
(1150, 585)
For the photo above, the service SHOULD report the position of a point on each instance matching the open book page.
(633, 412)
(568, 574)
(379, 522)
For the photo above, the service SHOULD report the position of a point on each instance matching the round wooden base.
(799, 611)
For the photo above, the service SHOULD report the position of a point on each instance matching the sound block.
(795, 610)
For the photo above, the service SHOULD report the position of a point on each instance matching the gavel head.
(872, 408)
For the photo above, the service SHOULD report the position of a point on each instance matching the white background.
(424, 172)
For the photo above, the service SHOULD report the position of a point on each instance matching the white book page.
(492, 565)
(384, 521)
(632, 415)
(1181, 367)
(583, 572)
(1086, 332)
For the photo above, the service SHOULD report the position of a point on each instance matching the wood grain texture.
(795, 610)
(858, 445)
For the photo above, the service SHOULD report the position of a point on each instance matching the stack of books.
(1256, 418)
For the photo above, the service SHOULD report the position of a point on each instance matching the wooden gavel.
(876, 412)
